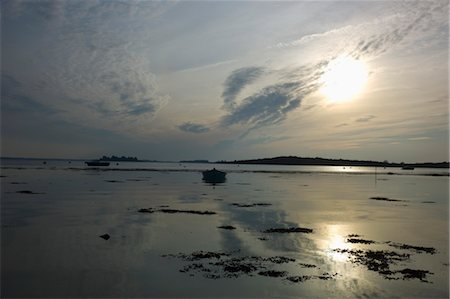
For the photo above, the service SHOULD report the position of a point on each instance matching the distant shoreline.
(292, 160)
(283, 160)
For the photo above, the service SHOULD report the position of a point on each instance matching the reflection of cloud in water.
(258, 219)
(230, 241)
(190, 198)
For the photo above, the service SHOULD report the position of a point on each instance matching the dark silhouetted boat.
(96, 163)
(214, 176)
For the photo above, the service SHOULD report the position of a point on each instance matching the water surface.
(51, 245)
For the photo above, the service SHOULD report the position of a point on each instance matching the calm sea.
(265, 232)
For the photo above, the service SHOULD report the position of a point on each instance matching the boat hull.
(93, 163)
(214, 176)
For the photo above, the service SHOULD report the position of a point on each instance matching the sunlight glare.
(336, 240)
(344, 78)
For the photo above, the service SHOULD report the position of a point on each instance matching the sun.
(343, 79)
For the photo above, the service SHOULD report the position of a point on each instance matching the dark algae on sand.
(382, 261)
(215, 265)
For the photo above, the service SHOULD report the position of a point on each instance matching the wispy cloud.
(206, 67)
(375, 37)
(89, 64)
(9, 84)
(365, 119)
(419, 138)
(272, 103)
(419, 18)
(269, 106)
(236, 81)
(14, 100)
(193, 128)
(134, 95)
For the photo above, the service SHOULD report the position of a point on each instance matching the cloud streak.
(236, 81)
(419, 18)
(14, 101)
(377, 36)
(365, 119)
(193, 128)
(272, 103)
(267, 107)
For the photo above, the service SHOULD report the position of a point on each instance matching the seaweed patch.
(380, 261)
(273, 273)
(199, 255)
(149, 210)
(360, 241)
(353, 236)
(307, 265)
(418, 249)
(175, 211)
(228, 227)
(303, 278)
(215, 265)
(385, 199)
(28, 192)
(261, 204)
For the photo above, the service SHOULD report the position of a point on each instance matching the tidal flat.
(264, 233)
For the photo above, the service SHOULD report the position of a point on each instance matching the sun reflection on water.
(334, 243)
(335, 239)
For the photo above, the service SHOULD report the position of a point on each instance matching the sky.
(225, 80)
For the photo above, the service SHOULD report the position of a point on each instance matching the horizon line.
(218, 161)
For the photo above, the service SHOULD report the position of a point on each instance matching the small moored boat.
(97, 163)
(214, 176)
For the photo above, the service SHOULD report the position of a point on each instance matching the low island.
(293, 160)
